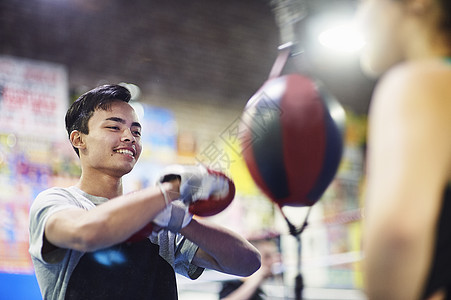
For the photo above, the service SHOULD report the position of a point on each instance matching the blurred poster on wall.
(33, 102)
(33, 97)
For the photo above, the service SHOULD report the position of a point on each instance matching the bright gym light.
(342, 37)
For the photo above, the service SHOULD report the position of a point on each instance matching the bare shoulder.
(411, 111)
(422, 87)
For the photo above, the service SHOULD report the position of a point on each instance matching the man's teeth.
(125, 151)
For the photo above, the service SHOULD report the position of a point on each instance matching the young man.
(407, 234)
(82, 239)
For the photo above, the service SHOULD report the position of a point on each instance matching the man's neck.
(101, 185)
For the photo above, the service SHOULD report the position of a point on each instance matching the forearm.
(399, 237)
(123, 216)
(222, 249)
(107, 224)
(396, 265)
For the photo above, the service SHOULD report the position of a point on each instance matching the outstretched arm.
(221, 249)
(107, 224)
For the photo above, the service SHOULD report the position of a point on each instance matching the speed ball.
(291, 133)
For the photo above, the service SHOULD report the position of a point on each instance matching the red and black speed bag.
(291, 134)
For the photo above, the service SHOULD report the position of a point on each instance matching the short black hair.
(446, 20)
(79, 113)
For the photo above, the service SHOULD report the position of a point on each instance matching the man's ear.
(76, 139)
(419, 7)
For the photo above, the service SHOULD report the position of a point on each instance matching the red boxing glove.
(216, 202)
(205, 191)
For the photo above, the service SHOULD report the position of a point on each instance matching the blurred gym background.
(191, 66)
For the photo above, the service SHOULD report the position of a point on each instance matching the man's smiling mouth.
(125, 151)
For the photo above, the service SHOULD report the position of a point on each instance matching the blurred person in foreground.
(250, 288)
(86, 240)
(407, 229)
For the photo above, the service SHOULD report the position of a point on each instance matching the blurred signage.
(33, 97)
(33, 102)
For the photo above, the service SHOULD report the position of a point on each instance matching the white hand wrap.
(174, 217)
(196, 182)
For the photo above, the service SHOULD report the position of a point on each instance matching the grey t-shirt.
(54, 270)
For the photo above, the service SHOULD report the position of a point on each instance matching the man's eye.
(137, 133)
(113, 127)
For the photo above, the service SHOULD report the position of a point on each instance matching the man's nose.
(128, 136)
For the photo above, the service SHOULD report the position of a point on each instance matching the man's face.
(113, 144)
(382, 23)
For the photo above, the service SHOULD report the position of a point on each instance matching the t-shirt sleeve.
(47, 203)
(184, 255)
